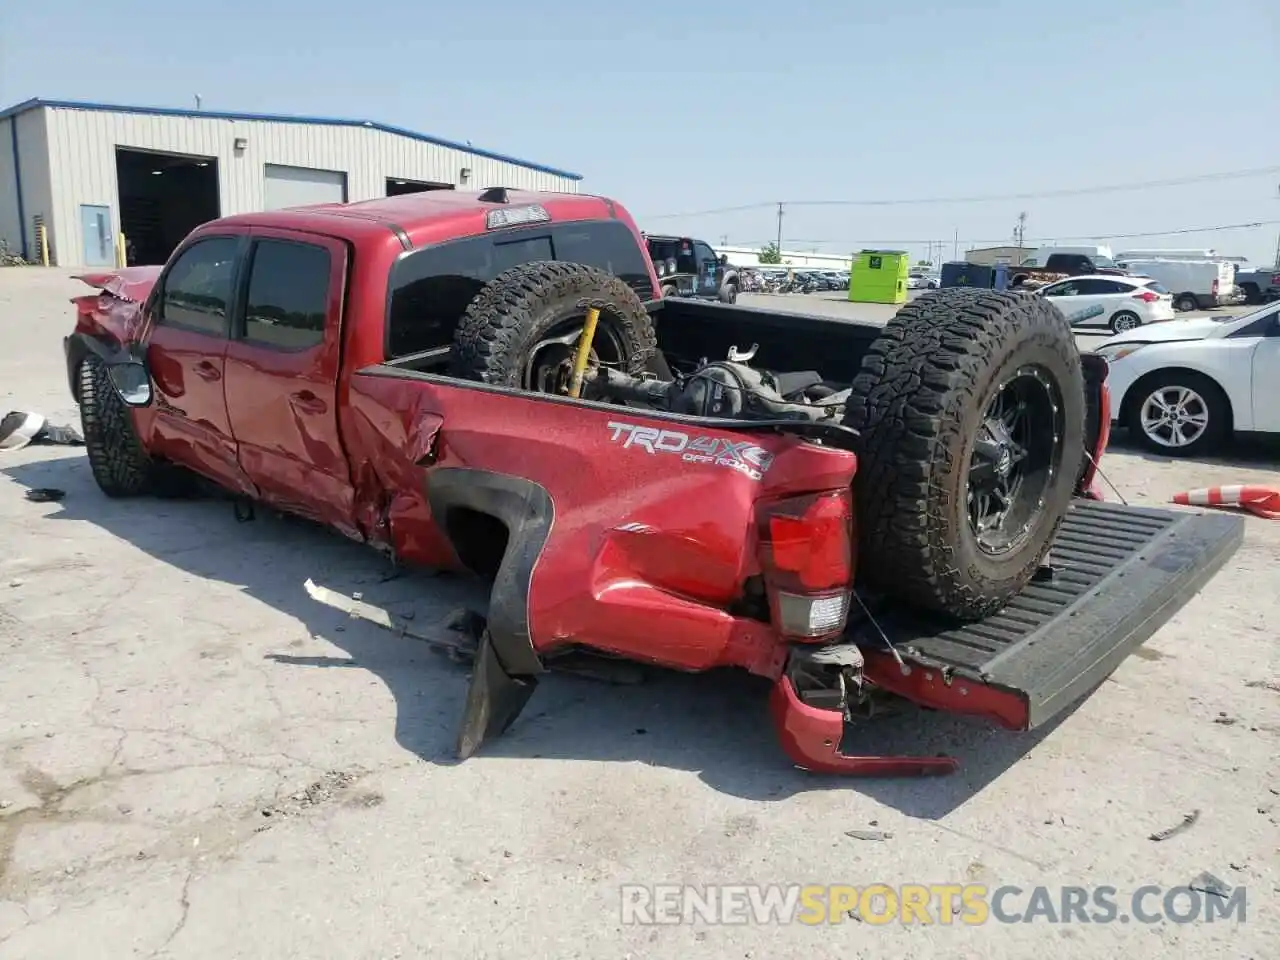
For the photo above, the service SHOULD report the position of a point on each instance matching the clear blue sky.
(721, 104)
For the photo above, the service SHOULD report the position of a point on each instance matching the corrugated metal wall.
(33, 160)
(82, 149)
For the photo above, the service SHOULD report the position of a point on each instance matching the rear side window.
(198, 287)
(431, 288)
(288, 296)
(1155, 286)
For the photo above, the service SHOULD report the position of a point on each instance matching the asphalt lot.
(198, 761)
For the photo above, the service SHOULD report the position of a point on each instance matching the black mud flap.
(494, 700)
(1116, 575)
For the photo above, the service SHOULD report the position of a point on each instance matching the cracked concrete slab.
(198, 761)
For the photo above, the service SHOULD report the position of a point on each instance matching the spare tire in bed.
(521, 329)
(971, 410)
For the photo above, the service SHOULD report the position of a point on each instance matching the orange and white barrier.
(1259, 501)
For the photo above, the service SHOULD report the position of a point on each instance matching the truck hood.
(1196, 328)
(128, 283)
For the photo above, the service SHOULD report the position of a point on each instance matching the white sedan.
(1182, 387)
(1121, 303)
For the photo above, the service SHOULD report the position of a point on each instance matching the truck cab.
(691, 268)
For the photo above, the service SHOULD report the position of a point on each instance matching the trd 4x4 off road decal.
(740, 455)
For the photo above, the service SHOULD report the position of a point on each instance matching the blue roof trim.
(37, 102)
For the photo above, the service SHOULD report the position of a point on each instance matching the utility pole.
(779, 227)
(1021, 230)
(199, 100)
(955, 247)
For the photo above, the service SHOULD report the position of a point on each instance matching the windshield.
(1104, 262)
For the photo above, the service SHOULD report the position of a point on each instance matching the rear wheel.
(120, 465)
(521, 329)
(1125, 320)
(1178, 413)
(1186, 302)
(971, 410)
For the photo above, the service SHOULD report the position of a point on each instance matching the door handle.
(208, 371)
(307, 402)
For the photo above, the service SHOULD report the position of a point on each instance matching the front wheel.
(1124, 321)
(729, 293)
(120, 465)
(1178, 414)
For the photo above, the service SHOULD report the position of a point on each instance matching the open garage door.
(303, 186)
(163, 197)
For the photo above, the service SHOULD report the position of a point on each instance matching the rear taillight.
(1214, 288)
(806, 545)
(1146, 296)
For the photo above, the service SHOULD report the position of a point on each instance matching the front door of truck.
(282, 374)
(709, 269)
(190, 312)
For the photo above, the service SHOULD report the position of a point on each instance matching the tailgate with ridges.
(1119, 574)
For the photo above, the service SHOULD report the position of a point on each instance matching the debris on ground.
(1225, 720)
(329, 787)
(45, 494)
(1272, 685)
(869, 834)
(1187, 822)
(20, 428)
(1207, 883)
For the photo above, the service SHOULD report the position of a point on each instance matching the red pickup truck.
(491, 382)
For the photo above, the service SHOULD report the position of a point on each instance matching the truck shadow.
(714, 724)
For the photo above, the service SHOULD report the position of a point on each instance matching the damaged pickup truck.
(490, 382)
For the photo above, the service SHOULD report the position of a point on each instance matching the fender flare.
(526, 509)
(79, 345)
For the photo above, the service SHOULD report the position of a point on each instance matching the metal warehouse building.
(76, 177)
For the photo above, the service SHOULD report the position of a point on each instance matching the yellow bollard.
(584, 351)
(121, 260)
(42, 237)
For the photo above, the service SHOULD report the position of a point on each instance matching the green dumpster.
(879, 276)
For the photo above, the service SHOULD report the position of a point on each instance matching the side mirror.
(131, 381)
(724, 259)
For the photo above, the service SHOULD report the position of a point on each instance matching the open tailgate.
(1120, 573)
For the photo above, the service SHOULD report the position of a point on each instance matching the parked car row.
(783, 279)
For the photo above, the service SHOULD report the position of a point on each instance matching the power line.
(1043, 240)
(990, 198)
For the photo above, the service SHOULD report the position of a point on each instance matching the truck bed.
(1119, 574)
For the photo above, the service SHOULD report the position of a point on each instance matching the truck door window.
(288, 299)
(705, 254)
(198, 287)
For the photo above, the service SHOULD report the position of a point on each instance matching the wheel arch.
(1133, 394)
(467, 503)
(80, 345)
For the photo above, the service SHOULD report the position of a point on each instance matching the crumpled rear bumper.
(813, 738)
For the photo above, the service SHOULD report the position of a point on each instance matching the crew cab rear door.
(189, 313)
(282, 373)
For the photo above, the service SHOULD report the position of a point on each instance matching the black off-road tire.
(518, 308)
(729, 293)
(120, 465)
(918, 400)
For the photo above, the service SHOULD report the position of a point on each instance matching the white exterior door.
(302, 187)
